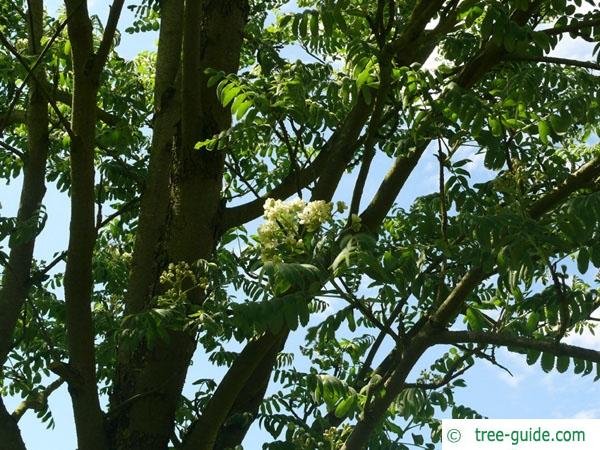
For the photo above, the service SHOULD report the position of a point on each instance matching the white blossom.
(286, 222)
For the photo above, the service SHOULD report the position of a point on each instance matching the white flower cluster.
(285, 224)
(314, 214)
(175, 273)
(178, 280)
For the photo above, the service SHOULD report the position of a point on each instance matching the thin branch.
(372, 134)
(555, 60)
(109, 35)
(105, 116)
(37, 400)
(13, 150)
(563, 303)
(492, 359)
(510, 340)
(457, 369)
(572, 27)
(126, 207)
(330, 162)
(356, 302)
(546, 203)
(577, 180)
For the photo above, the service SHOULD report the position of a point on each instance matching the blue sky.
(530, 393)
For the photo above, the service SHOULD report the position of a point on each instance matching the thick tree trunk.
(10, 436)
(186, 228)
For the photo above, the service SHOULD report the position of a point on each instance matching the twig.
(555, 60)
(37, 400)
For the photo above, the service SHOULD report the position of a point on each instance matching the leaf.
(229, 92)
(583, 260)
(560, 124)
(532, 356)
(474, 319)
(290, 315)
(363, 77)
(418, 439)
(532, 322)
(495, 127)
(579, 365)
(547, 362)
(242, 108)
(544, 130)
(562, 363)
(344, 406)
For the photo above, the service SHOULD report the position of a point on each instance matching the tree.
(190, 147)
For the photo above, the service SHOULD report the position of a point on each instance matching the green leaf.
(532, 356)
(242, 108)
(344, 406)
(495, 127)
(418, 439)
(562, 363)
(229, 92)
(544, 130)
(474, 319)
(532, 322)
(583, 260)
(560, 124)
(547, 362)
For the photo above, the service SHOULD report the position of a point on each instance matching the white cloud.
(593, 413)
(574, 49)
(587, 340)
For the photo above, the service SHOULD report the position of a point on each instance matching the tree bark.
(15, 280)
(9, 431)
(16, 276)
(212, 38)
(78, 283)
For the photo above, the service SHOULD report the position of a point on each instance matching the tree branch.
(30, 73)
(203, 434)
(509, 340)
(14, 117)
(572, 27)
(105, 116)
(12, 150)
(331, 160)
(458, 368)
(36, 401)
(31, 69)
(577, 180)
(109, 35)
(555, 60)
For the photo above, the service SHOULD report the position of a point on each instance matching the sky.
(529, 393)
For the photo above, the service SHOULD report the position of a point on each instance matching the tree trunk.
(15, 280)
(80, 373)
(9, 431)
(186, 232)
(16, 277)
